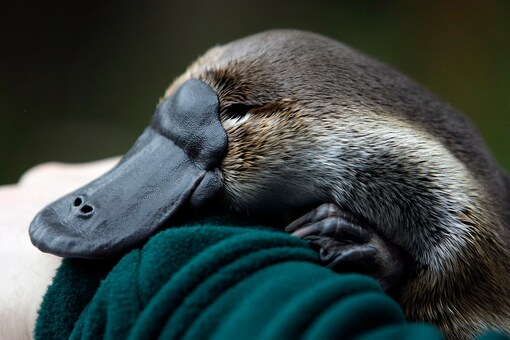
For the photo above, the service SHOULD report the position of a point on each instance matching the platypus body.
(390, 181)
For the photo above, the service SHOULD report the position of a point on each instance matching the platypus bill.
(402, 186)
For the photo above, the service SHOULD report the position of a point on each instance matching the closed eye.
(238, 110)
(237, 114)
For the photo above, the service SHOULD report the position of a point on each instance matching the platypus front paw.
(346, 244)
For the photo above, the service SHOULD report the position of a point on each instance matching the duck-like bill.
(175, 162)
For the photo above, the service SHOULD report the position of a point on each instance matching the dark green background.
(80, 79)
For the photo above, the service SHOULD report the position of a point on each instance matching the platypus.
(388, 180)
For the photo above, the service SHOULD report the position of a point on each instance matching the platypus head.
(268, 124)
(233, 127)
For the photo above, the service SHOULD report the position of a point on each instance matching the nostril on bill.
(77, 202)
(84, 209)
(87, 209)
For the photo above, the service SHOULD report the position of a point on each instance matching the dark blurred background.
(79, 80)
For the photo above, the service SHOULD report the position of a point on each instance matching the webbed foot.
(346, 244)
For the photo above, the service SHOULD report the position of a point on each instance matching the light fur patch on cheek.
(230, 123)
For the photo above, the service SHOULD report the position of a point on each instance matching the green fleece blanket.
(219, 282)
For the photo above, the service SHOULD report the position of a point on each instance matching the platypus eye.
(236, 114)
(237, 111)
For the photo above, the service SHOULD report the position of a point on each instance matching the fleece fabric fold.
(219, 282)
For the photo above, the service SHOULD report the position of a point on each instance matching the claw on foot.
(347, 244)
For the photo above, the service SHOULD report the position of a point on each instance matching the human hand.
(27, 272)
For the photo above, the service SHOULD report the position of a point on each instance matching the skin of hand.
(27, 272)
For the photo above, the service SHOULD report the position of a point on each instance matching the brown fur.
(328, 124)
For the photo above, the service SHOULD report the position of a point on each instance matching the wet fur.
(329, 124)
